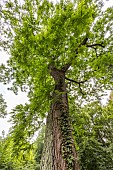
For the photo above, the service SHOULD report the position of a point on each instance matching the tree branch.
(74, 81)
(77, 82)
(81, 90)
(93, 45)
(65, 67)
(84, 42)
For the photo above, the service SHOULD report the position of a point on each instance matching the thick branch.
(65, 67)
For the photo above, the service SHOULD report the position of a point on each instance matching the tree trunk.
(59, 151)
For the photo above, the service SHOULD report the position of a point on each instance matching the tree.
(9, 160)
(50, 45)
(3, 107)
(93, 135)
(39, 143)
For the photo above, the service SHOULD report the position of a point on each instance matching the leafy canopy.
(40, 33)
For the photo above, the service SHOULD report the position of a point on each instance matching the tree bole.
(63, 154)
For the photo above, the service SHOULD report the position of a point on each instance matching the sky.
(12, 99)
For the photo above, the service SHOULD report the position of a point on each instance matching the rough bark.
(62, 154)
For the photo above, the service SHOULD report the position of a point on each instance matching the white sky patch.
(12, 99)
(3, 57)
(107, 3)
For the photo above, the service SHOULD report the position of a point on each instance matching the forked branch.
(77, 82)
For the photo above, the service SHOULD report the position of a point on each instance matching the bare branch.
(77, 82)
(81, 90)
(93, 45)
(74, 81)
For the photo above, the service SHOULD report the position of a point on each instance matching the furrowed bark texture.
(59, 151)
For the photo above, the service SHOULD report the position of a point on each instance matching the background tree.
(3, 106)
(9, 160)
(50, 45)
(93, 135)
(39, 144)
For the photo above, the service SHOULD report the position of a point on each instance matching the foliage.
(5, 153)
(27, 159)
(3, 107)
(93, 131)
(39, 144)
(11, 161)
